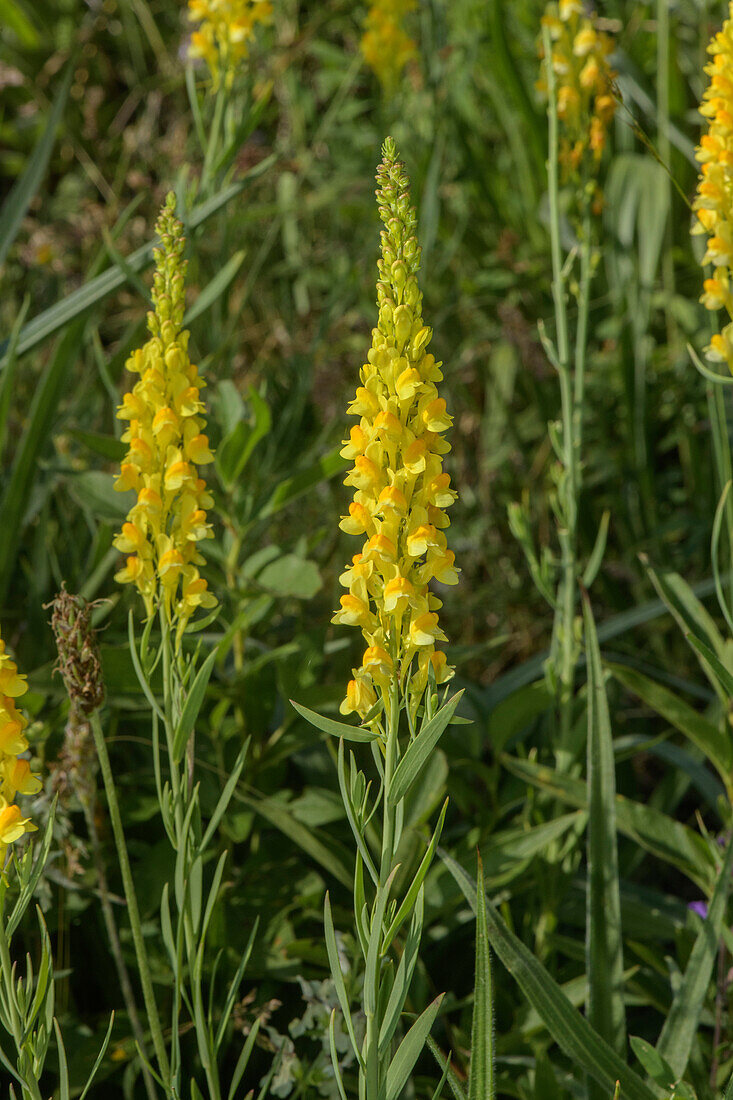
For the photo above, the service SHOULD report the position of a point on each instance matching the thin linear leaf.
(16, 204)
(455, 1085)
(337, 975)
(403, 977)
(418, 751)
(63, 1064)
(225, 796)
(336, 729)
(722, 673)
(680, 1027)
(215, 288)
(604, 944)
(410, 1049)
(707, 737)
(411, 896)
(98, 1059)
(659, 834)
(192, 706)
(334, 1054)
(569, 1029)
(277, 814)
(481, 1072)
(371, 965)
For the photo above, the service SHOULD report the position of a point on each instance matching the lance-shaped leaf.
(410, 1049)
(336, 729)
(571, 1031)
(403, 977)
(481, 1073)
(418, 751)
(192, 706)
(410, 897)
(337, 974)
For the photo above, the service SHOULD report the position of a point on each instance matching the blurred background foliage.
(281, 302)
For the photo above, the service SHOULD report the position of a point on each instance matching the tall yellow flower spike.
(714, 200)
(225, 32)
(166, 444)
(584, 81)
(15, 774)
(385, 45)
(401, 490)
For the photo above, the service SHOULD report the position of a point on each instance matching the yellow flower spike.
(713, 204)
(385, 45)
(584, 84)
(167, 443)
(401, 487)
(15, 774)
(226, 30)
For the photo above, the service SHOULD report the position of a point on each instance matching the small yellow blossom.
(225, 32)
(584, 82)
(166, 444)
(400, 488)
(15, 774)
(713, 203)
(385, 45)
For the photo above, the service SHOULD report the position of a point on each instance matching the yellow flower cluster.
(15, 773)
(584, 82)
(166, 443)
(385, 46)
(714, 200)
(225, 31)
(401, 490)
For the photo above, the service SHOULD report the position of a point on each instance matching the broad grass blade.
(571, 1031)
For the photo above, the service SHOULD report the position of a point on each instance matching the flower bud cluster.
(385, 45)
(15, 772)
(166, 444)
(401, 491)
(225, 32)
(583, 83)
(713, 203)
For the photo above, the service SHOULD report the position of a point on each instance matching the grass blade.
(604, 945)
(481, 1074)
(680, 1027)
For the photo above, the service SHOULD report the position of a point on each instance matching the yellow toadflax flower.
(15, 774)
(401, 490)
(714, 200)
(225, 31)
(166, 444)
(584, 82)
(385, 46)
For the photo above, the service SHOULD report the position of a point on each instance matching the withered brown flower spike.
(76, 641)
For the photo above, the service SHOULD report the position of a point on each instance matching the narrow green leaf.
(481, 1072)
(225, 796)
(98, 1059)
(405, 908)
(445, 1064)
(336, 729)
(16, 204)
(418, 751)
(724, 677)
(307, 839)
(192, 706)
(64, 1093)
(371, 966)
(215, 288)
(680, 1027)
(571, 1031)
(715, 744)
(334, 1055)
(410, 1049)
(604, 941)
(403, 977)
(599, 548)
(337, 975)
(655, 1065)
(659, 834)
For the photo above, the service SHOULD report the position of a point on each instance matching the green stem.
(133, 910)
(213, 143)
(31, 1089)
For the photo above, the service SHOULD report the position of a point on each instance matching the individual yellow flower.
(713, 203)
(401, 490)
(166, 444)
(385, 45)
(225, 32)
(15, 774)
(584, 82)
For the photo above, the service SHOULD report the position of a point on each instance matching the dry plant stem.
(131, 898)
(114, 939)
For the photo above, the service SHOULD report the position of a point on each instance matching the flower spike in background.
(385, 45)
(401, 490)
(15, 773)
(226, 29)
(166, 443)
(584, 79)
(713, 204)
